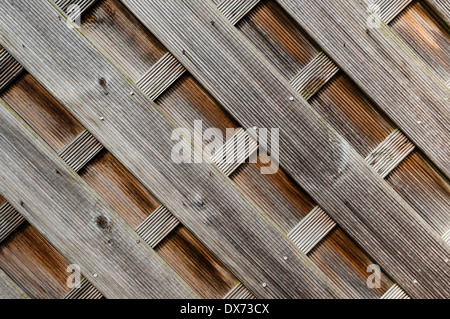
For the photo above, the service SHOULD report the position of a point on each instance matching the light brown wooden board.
(76, 221)
(203, 199)
(384, 68)
(34, 264)
(41, 111)
(340, 180)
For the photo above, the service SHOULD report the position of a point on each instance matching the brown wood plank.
(240, 235)
(318, 158)
(346, 264)
(118, 33)
(384, 68)
(418, 182)
(426, 36)
(34, 263)
(193, 262)
(352, 114)
(275, 34)
(76, 221)
(41, 111)
(9, 289)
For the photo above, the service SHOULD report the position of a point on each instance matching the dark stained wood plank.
(314, 154)
(9, 289)
(203, 199)
(193, 262)
(76, 221)
(419, 183)
(274, 33)
(34, 263)
(120, 35)
(442, 8)
(426, 36)
(42, 112)
(117, 186)
(384, 68)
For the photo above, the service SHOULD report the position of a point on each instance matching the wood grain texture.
(42, 112)
(120, 35)
(193, 262)
(384, 68)
(203, 199)
(9, 289)
(344, 262)
(33, 263)
(275, 34)
(426, 36)
(418, 182)
(119, 188)
(76, 221)
(340, 181)
(442, 8)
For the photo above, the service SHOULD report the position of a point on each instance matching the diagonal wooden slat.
(9, 68)
(168, 69)
(9, 289)
(390, 153)
(161, 76)
(76, 154)
(442, 8)
(311, 230)
(384, 68)
(387, 9)
(238, 233)
(76, 221)
(314, 76)
(341, 182)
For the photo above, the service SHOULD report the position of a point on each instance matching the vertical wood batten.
(384, 68)
(9, 289)
(77, 222)
(239, 234)
(217, 65)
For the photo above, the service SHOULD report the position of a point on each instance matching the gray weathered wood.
(342, 183)
(9, 289)
(62, 207)
(442, 8)
(384, 67)
(133, 130)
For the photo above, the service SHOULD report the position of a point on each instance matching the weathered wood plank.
(201, 197)
(385, 69)
(341, 182)
(77, 222)
(9, 289)
(442, 8)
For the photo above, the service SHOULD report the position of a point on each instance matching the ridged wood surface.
(253, 257)
(349, 211)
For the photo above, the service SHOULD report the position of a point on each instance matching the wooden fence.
(359, 90)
